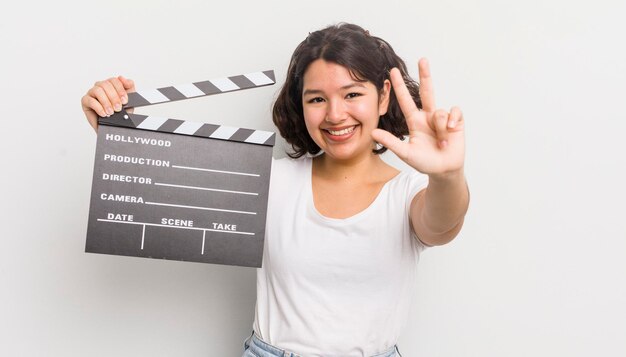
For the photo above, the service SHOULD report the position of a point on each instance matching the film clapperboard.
(180, 190)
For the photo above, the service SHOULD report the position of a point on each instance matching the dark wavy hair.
(368, 58)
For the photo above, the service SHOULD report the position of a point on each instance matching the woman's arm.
(436, 147)
(437, 212)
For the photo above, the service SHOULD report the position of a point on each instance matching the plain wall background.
(539, 269)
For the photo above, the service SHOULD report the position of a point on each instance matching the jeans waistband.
(263, 349)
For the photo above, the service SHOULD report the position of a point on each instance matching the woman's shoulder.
(287, 164)
(288, 176)
(409, 181)
(288, 171)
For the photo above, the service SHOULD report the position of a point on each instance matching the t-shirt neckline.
(356, 216)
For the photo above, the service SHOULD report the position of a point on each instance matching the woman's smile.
(340, 133)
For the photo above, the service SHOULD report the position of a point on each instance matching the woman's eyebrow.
(319, 91)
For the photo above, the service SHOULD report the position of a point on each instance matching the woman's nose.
(336, 112)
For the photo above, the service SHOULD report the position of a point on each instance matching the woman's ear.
(383, 103)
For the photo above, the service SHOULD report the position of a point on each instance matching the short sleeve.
(417, 181)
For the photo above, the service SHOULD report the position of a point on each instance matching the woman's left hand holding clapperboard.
(105, 98)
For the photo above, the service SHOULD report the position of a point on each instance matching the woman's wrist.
(448, 177)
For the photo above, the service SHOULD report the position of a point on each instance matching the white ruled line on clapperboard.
(161, 173)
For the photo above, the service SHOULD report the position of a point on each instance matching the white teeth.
(342, 131)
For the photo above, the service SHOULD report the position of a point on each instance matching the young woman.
(344, 229)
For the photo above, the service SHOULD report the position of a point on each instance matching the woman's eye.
(353, 95)
(316, 100)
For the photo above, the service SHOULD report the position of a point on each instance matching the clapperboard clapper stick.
(181, 190)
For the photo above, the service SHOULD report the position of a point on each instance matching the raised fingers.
(407, 105)
(427, 94)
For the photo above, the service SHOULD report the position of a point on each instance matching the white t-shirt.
(335, 287)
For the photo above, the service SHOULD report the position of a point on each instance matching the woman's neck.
(366, 166)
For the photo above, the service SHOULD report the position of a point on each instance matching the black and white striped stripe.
(199, 89)
(193, 90)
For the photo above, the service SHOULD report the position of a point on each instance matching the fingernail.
(444, 143)
(451, 124)
(124, 99)
(118, 107)
(109, 111)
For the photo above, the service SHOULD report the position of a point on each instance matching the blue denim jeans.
(255, 347)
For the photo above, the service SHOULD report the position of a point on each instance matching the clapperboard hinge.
(188, 91)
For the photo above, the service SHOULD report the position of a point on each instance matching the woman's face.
(340, 112)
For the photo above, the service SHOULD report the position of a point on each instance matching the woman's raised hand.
(436, 144)
(105, 98)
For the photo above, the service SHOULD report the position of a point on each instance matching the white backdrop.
(539, 269)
